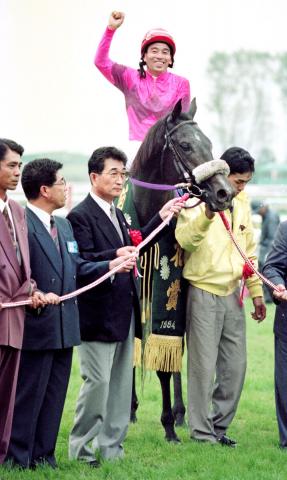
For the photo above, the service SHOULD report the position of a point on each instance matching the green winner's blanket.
(163, 295)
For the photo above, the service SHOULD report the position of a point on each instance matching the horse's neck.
(149, 202)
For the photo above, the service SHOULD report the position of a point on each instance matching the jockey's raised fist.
(116, 19)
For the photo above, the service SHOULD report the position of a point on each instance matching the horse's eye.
(186, 146)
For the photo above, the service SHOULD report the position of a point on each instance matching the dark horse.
(173, 147)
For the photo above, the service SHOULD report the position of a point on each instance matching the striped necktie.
(54, 232)
(12, 233)
(115, 222)
(9, 225)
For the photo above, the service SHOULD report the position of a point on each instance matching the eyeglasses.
(62, 181)
(115, 175)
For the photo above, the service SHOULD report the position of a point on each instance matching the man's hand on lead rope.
(172, 206)
(131, 261)
(282, 295)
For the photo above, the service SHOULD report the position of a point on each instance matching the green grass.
(148, 456)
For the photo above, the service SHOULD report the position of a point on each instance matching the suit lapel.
(45, 241)
(104, 223)
(65, 255)
(124, 228)
(22, 239)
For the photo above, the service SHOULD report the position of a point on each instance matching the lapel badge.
(72, 247)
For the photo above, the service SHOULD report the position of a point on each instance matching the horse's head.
(171, 150)
(186, 147)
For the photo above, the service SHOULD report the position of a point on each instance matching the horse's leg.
(178, 409)
(134, 400)
(167, 418)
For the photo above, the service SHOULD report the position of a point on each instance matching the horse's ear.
(193, 108)
(176, 110)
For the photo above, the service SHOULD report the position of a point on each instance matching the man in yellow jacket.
(216, 338)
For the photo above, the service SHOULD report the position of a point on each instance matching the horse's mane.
(150, 147)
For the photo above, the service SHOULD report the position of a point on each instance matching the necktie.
(116, 222)
(9, 225)
(12, 234)
(54, 232)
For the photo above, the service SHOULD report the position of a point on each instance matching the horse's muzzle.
(218, 197)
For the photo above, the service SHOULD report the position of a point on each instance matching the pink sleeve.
(102, 59)
(119, 75)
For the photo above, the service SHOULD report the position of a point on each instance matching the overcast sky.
(53, 98)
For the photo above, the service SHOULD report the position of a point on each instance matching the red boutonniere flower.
(136, 237)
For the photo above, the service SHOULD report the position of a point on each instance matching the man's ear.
(44, 192)
(93, 177)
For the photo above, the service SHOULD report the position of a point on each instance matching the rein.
(243, 255)
(153, 186)
(157, 186)
(107, 275)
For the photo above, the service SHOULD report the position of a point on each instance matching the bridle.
(190, 185)
(178, 161)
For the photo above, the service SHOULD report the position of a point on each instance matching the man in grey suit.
(109, 315)
(50, 333)
(15, 284)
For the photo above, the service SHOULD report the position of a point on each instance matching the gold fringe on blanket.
(137, 352)
(164, 353)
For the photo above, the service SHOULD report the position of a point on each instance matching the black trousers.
(41, 391)
(281, 388)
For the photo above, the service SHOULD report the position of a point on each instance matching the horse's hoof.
(170, 434)
(173, 439)
(179, 420)
(133, 417)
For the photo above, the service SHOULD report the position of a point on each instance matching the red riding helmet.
(157, 35)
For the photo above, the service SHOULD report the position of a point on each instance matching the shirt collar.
(161, 77)
(3, 204)
(103, 204)
(43, 216)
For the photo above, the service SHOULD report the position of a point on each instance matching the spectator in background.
(270, 222)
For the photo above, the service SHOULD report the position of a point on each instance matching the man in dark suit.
(15, 284)
(275, 269)
(50, 333)
(109, 315)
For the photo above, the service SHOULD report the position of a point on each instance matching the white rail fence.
(274, 195)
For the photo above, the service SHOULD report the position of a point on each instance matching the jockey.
(151, 92)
